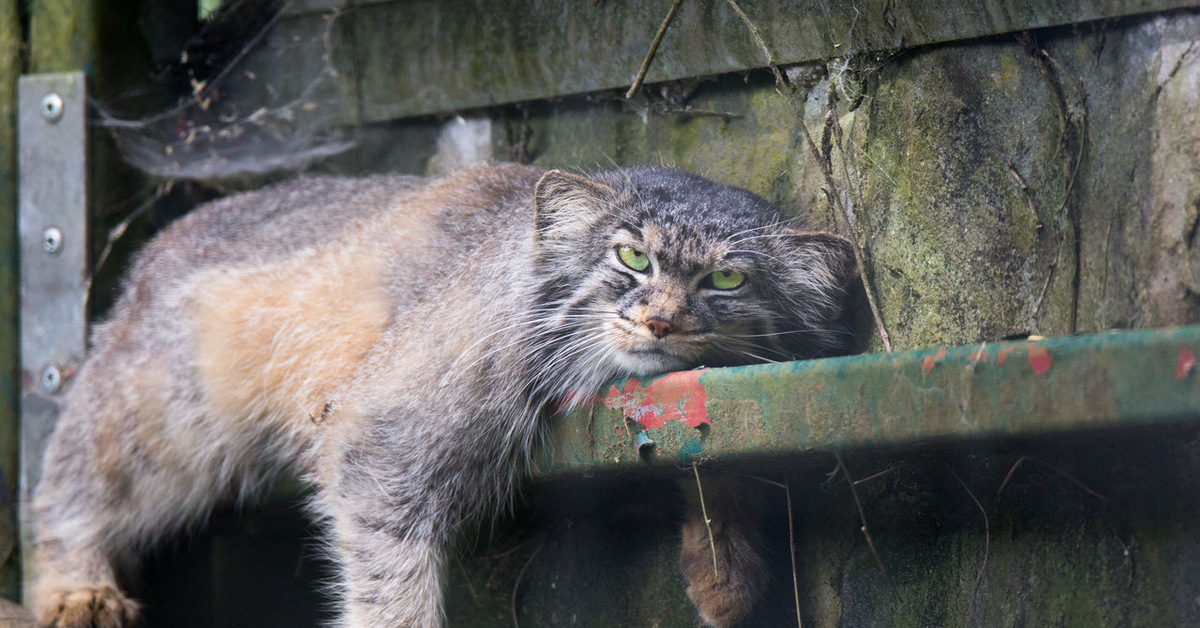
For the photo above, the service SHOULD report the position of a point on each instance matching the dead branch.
(662, 29)
(707, 522)
(863, 518)
(987, 528)
(517, 582)
(1043, 60)
(1087, 489)
(875, 476)
(787, 489)
(1012, 171)
(860, 258)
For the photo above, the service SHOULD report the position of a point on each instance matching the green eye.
(726, 281)
(633, 258)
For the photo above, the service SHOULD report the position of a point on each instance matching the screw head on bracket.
(52, 107)
(51, 378)
(52, 240)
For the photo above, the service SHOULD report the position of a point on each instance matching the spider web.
(217, 129)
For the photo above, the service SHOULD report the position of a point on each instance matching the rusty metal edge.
(1058, 385)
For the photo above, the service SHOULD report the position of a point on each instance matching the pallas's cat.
(402, 343)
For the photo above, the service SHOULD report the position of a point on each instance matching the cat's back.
(275, 297)
(272, 222)
(266, 225)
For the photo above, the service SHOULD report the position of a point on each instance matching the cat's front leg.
(388, 580)
(388, 521)
(722, 547)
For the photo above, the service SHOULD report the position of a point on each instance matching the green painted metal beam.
(992, 389)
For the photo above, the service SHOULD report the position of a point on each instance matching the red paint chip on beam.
(1187, 361)
(672, 397)
(1039, 359)
(931, 361)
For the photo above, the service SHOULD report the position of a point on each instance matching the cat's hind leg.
(128, 463)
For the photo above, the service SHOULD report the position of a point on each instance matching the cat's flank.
(402, 343)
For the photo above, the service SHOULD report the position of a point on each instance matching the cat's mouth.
(639, 356)
(649, 361)
(637, 353)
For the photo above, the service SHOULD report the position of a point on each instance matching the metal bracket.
(52, 227)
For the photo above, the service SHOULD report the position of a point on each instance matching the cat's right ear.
(567, 205)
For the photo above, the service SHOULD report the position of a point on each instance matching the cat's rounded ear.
(567, 204)
(829, 255)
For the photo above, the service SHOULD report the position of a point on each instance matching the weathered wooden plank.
(63, 35)
(10, 68)
(424, 57)
(953, 158)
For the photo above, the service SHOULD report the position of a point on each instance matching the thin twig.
(521, 574)
(987, 528)
(859, 256)
(466, 577)
(707, 522)
(1066, 122)
(1012, 171)
(875, 476)
(762, 45)
(874, 163)
(641, 75)
(792, 546)
(786, 486)
(1049, 275)
(863, 518)
(116, 232)
(760, 479)
(1082, 130)
(1053, 468)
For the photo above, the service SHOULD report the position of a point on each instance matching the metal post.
(52, 228)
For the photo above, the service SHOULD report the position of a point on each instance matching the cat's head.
(650, 269)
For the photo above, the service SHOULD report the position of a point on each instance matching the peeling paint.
(1039, 359)
(1187, 361)
(931, 361)
(672, 397)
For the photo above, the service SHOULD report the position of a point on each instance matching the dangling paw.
(86, 607)
(724, 595)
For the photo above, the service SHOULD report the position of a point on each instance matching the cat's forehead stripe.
(683, 247)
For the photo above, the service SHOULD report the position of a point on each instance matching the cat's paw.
(86, 607)
(724, 596)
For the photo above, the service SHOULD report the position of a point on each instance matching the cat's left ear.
(567, 205)
(829, 255)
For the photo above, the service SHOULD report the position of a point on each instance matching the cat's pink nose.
(660, 329)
